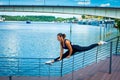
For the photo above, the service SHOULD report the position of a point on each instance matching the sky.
(100, 3)
(113, 3)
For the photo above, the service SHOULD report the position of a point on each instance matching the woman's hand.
(68, 56)
(59, 59)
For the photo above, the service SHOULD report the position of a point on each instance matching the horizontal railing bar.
(25, 58)
(112, 38)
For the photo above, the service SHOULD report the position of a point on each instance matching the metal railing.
(11, 66)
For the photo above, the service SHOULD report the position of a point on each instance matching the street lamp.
(44, 2)
(9, 2)
(70, 29)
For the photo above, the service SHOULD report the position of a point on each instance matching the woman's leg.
(85, 48)
(76, 48)
(64, 56)
(90, 47)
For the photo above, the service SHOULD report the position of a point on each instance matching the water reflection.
(10, 44)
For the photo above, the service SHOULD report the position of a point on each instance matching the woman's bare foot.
(101, 43)
(49, 62)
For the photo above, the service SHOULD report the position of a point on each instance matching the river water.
(39, 40)
(18, 39)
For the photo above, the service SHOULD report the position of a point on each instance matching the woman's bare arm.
(69, 48)
(61, 52)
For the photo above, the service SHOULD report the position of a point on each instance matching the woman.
(72, 49)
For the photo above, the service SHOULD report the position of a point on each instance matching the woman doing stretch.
(71, 49)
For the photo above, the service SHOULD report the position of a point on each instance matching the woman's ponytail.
(61, 35)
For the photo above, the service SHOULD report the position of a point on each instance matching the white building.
(1, 19)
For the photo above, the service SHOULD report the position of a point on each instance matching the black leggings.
(77, 48)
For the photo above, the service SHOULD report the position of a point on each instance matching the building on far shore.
(2, 19)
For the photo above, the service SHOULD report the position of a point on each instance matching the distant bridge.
(79, 10)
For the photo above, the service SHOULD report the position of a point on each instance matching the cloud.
(76, 0)
(1, 3)
(105, 5)
(86, 2)
(38, 0)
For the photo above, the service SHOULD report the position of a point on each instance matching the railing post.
(18, 65)
(110, 63)
(83, 59)
(10, 77)
(117, 45)
(49, 73)
(96, 54)
(39, 67)
(61, 67)
(73, 68)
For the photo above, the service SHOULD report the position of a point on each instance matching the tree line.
(37, 18)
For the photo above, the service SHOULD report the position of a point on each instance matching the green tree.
(37, 18)
(83, 16)
(118, 25)
(59, 19)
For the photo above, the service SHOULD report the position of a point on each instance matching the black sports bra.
(64, 46)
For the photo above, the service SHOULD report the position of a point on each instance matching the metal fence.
(11, 66)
